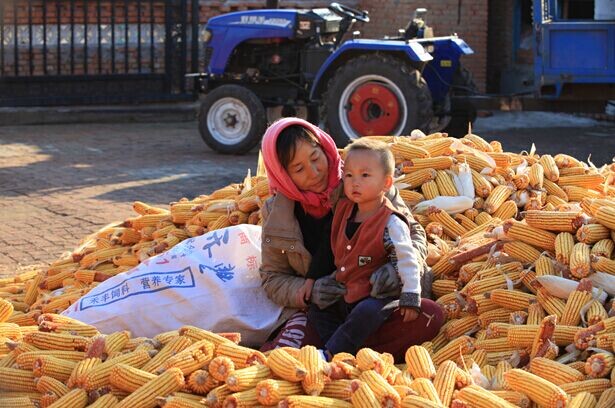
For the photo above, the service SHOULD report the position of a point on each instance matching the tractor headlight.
(207, 36)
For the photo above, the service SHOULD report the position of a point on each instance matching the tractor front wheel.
(232, 119)
(376, 95)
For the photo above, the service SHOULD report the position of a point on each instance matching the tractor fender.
(412, 50)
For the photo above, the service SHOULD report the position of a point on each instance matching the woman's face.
(309, 169)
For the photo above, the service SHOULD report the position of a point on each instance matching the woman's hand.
(409, 314)
(304, 293)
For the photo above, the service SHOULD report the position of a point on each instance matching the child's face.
(364, 177)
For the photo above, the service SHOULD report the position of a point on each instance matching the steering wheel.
(349, 12)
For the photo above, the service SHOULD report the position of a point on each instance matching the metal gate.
(66, 52)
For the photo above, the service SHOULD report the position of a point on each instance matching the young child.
(366, 233)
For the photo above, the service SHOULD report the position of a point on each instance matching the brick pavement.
(59, 183)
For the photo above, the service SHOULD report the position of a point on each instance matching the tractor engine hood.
(278, 20)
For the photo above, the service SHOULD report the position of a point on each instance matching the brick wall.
(470, 24)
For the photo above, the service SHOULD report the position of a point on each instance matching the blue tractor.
(270, 63)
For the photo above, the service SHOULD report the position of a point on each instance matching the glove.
(327, 291)
(385, 282)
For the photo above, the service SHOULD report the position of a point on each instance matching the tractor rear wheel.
(232, 119)
(376, 95)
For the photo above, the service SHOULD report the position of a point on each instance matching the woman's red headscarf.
(315, 204)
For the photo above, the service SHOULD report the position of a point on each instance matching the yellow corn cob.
(201, 382)
(496, 198)
(599, 365)
(56, 341)
(190, 359)
(196, 334)
(459, 327)
(242, 356)
(430, 190)
(368, 359)
(451, 227)
(76, 398)
(175, 401)
(554, 372)
(437, 144)
(580, 260)
(511, 299)
(407, 151)
(417, 178)
(590, 181)
(101, 255)
(583, 400)
(564, 242)
(459, 346)
(444, 381)
(536, 176)
(241, 399)
(143, 209)
(488, 284)
(475, 162)
(82, 368)
(270, 392)
(536, 388)
(478, 397)
(172, 347)
(314, 381)
(592, 233)
(216, 397)
(127, 378)
(220, 222)
(573, 171)
(436, 163)
(507, 210)
(576, 301)
(544, 265)
(555, 202)
(98, 376)
(413, 401)
(551, 172)
(145, 396)
(419, 363)
(530, 235)
(362, 396)
(53, 367)
(558, 221)
(425, 389)
(308, 401)
(577, 194)
(411, 198)
(220, 367)
(48, 384)
(338, 389)
(285, 366)
(594, 386)
(482, 187)
(443, 286)
(501, 159)
(603, 248)
(381, 389)
(465, 222)
(445, 184)
(443, 266)
(565, 161)
(596, 313)
(25, 359)
(13, 379)
(246, 378)
(602, 264)
(607, 399)
(115, 342)
(496, 330)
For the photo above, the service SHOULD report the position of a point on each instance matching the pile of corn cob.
(534, 218)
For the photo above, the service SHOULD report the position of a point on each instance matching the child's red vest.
(357, 258)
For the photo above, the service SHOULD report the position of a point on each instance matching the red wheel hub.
(374, 110)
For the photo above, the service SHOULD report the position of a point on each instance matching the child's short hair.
(380, 148)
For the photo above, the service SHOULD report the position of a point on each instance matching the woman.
(304, 171)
